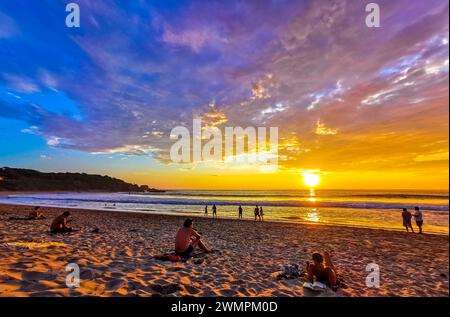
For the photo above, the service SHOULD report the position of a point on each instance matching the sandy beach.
(119, 260)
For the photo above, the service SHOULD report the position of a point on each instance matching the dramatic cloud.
(344, 96)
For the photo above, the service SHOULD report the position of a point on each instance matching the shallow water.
(374, 209)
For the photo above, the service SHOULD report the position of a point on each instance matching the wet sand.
(119, 260)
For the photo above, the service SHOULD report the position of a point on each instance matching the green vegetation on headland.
(17, 179)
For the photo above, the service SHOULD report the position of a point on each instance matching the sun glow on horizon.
(311, 179)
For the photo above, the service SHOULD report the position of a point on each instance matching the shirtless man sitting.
(187, 239)
(59, 224)
(322, 272)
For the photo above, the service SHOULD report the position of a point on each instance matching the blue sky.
(104, 97)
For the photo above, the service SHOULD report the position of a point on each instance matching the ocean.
(369, 209)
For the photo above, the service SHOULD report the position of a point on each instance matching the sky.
(364, 108)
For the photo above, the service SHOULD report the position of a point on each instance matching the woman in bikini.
(322, 269)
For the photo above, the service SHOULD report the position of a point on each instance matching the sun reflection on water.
(312, 193)
(312, 216)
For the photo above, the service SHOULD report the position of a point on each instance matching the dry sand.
(119, 261)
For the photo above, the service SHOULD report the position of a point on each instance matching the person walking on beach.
(256, 212)
(419, 218)
(240, 212)
(206, 210)
(406, 215)
(261, 214)
(214, 209)
(187, 239)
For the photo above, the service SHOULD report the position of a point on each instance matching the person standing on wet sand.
(214, 209)
(256, 212)
(240, 212)
(261, 214)
(419, 218)
(206, 210)
(406, 215)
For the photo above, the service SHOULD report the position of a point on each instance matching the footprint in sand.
(37, 276)
(87, 275)
(115, 284)
(166, 289)
(227, 292)
(191, 289)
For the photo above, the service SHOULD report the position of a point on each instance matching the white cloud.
(21, 84)
(53, 140)
(322, 129)
(31, 130)
(129, 149)
(279, 107)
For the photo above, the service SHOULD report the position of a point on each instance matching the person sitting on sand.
(36, 214)
(187, 239)
(419, 218)
(261, 213)
(406, 215)
(214, 209)
(240, 212)
(322, 269)
(256, 212)
(59, 224)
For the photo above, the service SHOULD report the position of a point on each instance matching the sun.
(311, 180)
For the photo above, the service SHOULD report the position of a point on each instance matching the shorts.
(419, 223)
(186, 252)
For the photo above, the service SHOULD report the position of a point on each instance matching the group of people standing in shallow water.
(258, 211)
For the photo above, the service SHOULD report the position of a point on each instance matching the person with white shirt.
(419, 218)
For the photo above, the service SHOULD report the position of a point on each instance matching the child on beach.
(419, 218)
(321, 270)
(206, 210)
(187, 239)
(261, 213)
(406, 215)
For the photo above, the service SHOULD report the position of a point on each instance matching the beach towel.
(316, 286)
(172, 257)
(321, 287)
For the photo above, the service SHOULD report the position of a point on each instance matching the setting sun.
(311, 180)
